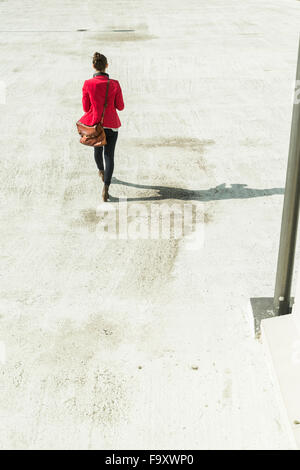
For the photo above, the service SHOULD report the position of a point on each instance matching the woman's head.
(99, 62)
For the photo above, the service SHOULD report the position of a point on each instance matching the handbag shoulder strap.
(105, 103)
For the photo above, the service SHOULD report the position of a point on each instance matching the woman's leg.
(98, 155)
(109, 152)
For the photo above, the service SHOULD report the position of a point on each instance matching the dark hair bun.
(99, 61)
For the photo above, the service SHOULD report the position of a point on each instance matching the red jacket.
(93, 97)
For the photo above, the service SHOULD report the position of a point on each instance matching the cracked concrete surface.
(147, 344)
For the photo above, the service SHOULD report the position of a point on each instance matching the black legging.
(109, 151)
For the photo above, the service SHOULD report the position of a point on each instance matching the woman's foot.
(105, 195)
(101, 174)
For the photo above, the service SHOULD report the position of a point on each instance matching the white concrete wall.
(296, 306)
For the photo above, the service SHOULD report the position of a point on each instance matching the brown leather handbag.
(94, 136)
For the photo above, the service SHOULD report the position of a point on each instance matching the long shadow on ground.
(235, 191)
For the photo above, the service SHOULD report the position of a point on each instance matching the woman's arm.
(86, 102)
(119, 102)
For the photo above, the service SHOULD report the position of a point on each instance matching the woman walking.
(93, 100)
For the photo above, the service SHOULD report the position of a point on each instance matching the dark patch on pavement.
(89, 219)
(122, 37)
(207, 217)
(191, 143)
(90, 216)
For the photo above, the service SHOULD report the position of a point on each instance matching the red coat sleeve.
(119, 102)
(86, 102)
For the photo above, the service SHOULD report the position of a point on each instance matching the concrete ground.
(142, 343)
